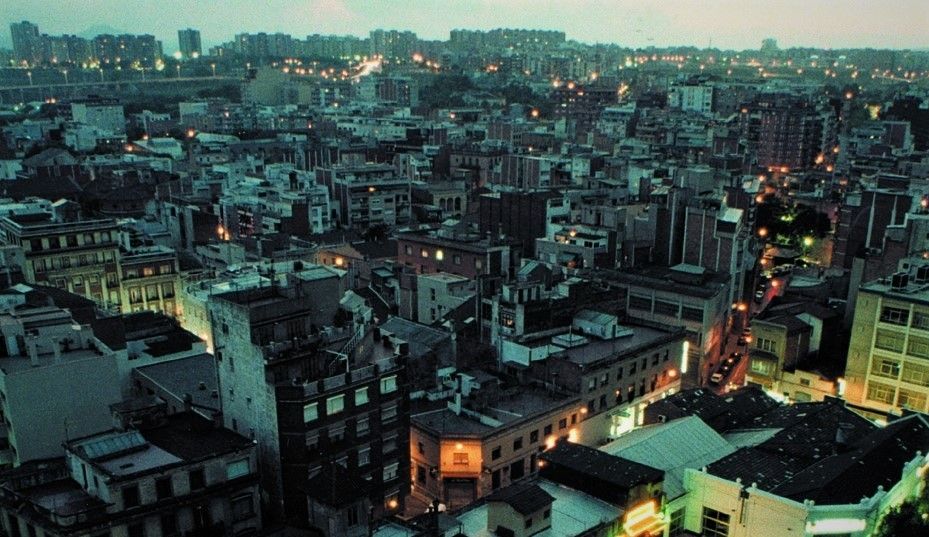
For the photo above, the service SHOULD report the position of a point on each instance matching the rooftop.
(573, 513)
(671, 447)
(524, 498)
(526, 403)
(599, 464)
(595, 349)
(195, 375)
(183, 438)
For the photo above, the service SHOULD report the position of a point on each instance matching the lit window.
(439, 255)
(335, 404)
(310, 412)
(389, 384)
(361, 396)
(237, 469)
(423, 252)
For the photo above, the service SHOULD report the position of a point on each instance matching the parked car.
(716, 378)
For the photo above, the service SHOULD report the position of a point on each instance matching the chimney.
(188, 402)
(32, 351)
(56, 348)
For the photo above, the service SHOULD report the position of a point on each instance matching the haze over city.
(511, 268)
(734, 24)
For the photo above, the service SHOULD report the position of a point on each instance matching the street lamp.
(807, 241)
(65, 73)
(29, 74)
(213, 67)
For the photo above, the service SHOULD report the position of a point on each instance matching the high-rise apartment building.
(26, 41)
(188, 42)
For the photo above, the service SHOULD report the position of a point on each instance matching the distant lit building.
(188, 41)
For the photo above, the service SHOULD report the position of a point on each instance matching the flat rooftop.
(597, 349)
(526, 404)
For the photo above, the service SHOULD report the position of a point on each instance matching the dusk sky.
(638, 23)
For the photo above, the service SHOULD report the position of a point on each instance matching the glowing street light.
(808, 241)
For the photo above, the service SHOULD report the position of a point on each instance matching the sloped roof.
(672, 447)
(524, 498)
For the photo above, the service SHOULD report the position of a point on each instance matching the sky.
(738, 24)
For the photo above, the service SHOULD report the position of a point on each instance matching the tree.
(909, 519)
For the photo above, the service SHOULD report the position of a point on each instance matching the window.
(237, 469)
(460, 458)
(361, 396)
(478, 264)
(389, 384)
(165, 269)
(167, 290)
(388, 413)
(456, 259)
(242, 508)
(715, 523)
(604, 379)
(130, 496)
(534, 436)
(920, 320)
(310, 412)
(918, 346)
(335, 404)
(439, 255)
(692, 314)
(879, 392)
(517, 470)
(420, 448)
(528, 523)
(888, 340)
(169, 524)
(163, 488)
(766, 345)
(423, 252)
(666, 308)
(362, 426)
(547, 514)
(883, 367)
(912, 400)
(197, 479)
(136, 530)
(364, 456)
(916, 374)
(637, 302)
(761, 367)
(389, 445)
(391, 471)
(676, 525)
(148, 271)
(408, 250)
(518, 444)
(495, 453)
(548, 430)
(591, 384)
(896, 316)
(420, 474)
(563, 423)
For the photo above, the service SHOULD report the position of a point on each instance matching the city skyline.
(723, 24)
